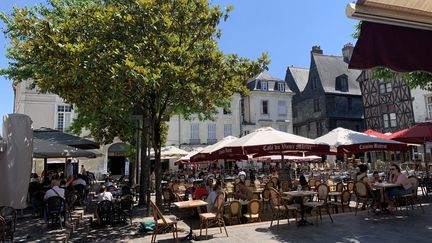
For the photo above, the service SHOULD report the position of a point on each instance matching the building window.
(389, 120)
(283, 128)
(280, 86)
(282, 108)
(296, 130)
(385, 87)
(319, 129)
(264, 107)
(316, 105)
(309, 126)
(227, 110)
(194, 130)
(349, 104)
(211, 131)
(64, 117)
(245, 133)
(342, 83)
(429, 106)
(263, 85)
(295, 113)
(227, 130)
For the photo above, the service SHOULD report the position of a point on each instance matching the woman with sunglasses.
(405, 186)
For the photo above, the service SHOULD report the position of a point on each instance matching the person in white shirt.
(104, 194)
(55, 190)
(212, 197)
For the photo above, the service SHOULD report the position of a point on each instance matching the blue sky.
(286, 29)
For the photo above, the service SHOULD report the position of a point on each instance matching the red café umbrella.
(268, 141)
(376, 134)
(418, 134)
(207, 154)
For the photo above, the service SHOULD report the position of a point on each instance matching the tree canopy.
(112, 57)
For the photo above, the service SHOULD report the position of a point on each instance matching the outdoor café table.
(382, 187)
(301, 194)
(190, 204)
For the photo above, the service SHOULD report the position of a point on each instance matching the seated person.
(243, 192)
(362, 176)
(375, 178)
(55, 190)
(200, 191)
(104, 194)
(191, 190)
(108, 182)
(79, 181)
(405, 186)
(209, 185)
(212, 196)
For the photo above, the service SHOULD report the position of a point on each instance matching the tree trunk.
(144, 165)
(157, 153)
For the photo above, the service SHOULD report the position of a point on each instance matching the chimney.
(347, 51)
(316, 49)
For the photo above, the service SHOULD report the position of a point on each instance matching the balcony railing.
(211, 140)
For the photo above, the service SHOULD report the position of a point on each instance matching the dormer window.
(262, 85)
(280, 86)
(342, 83)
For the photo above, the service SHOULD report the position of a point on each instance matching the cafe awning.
(394, 33)
(55, 136)
(45, 149)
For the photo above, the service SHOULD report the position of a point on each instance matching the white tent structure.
(15, 160)
(186, 159)
(346, 141)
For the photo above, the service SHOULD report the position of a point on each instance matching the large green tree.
(112, 57)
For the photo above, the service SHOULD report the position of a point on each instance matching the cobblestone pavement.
(401, 226)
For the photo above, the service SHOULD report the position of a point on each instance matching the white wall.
(419, 104)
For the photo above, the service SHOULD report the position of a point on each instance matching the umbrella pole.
(45, 169)
(425, 160)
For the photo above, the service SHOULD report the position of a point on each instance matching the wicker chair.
(412, 198)
(10, 216)
(234, 212)
(311, 183)
(279, 208)
(339, 187)
(350, 186)
(168, 198)
(269, 185)
(362, 194)
(345, 201)
(254, 210)
(275, 181)
(215, 217)
(321, 202)
(265, 195)
(248, 182)
(162, 223)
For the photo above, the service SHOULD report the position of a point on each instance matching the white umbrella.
(268, 141)
(170, 152)
(347, 141)
(186, 158)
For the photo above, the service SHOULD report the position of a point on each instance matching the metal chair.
(105, 212)
(10, 216)
(126, 206)
(412, 198)
(54, 210)
(345, 201)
